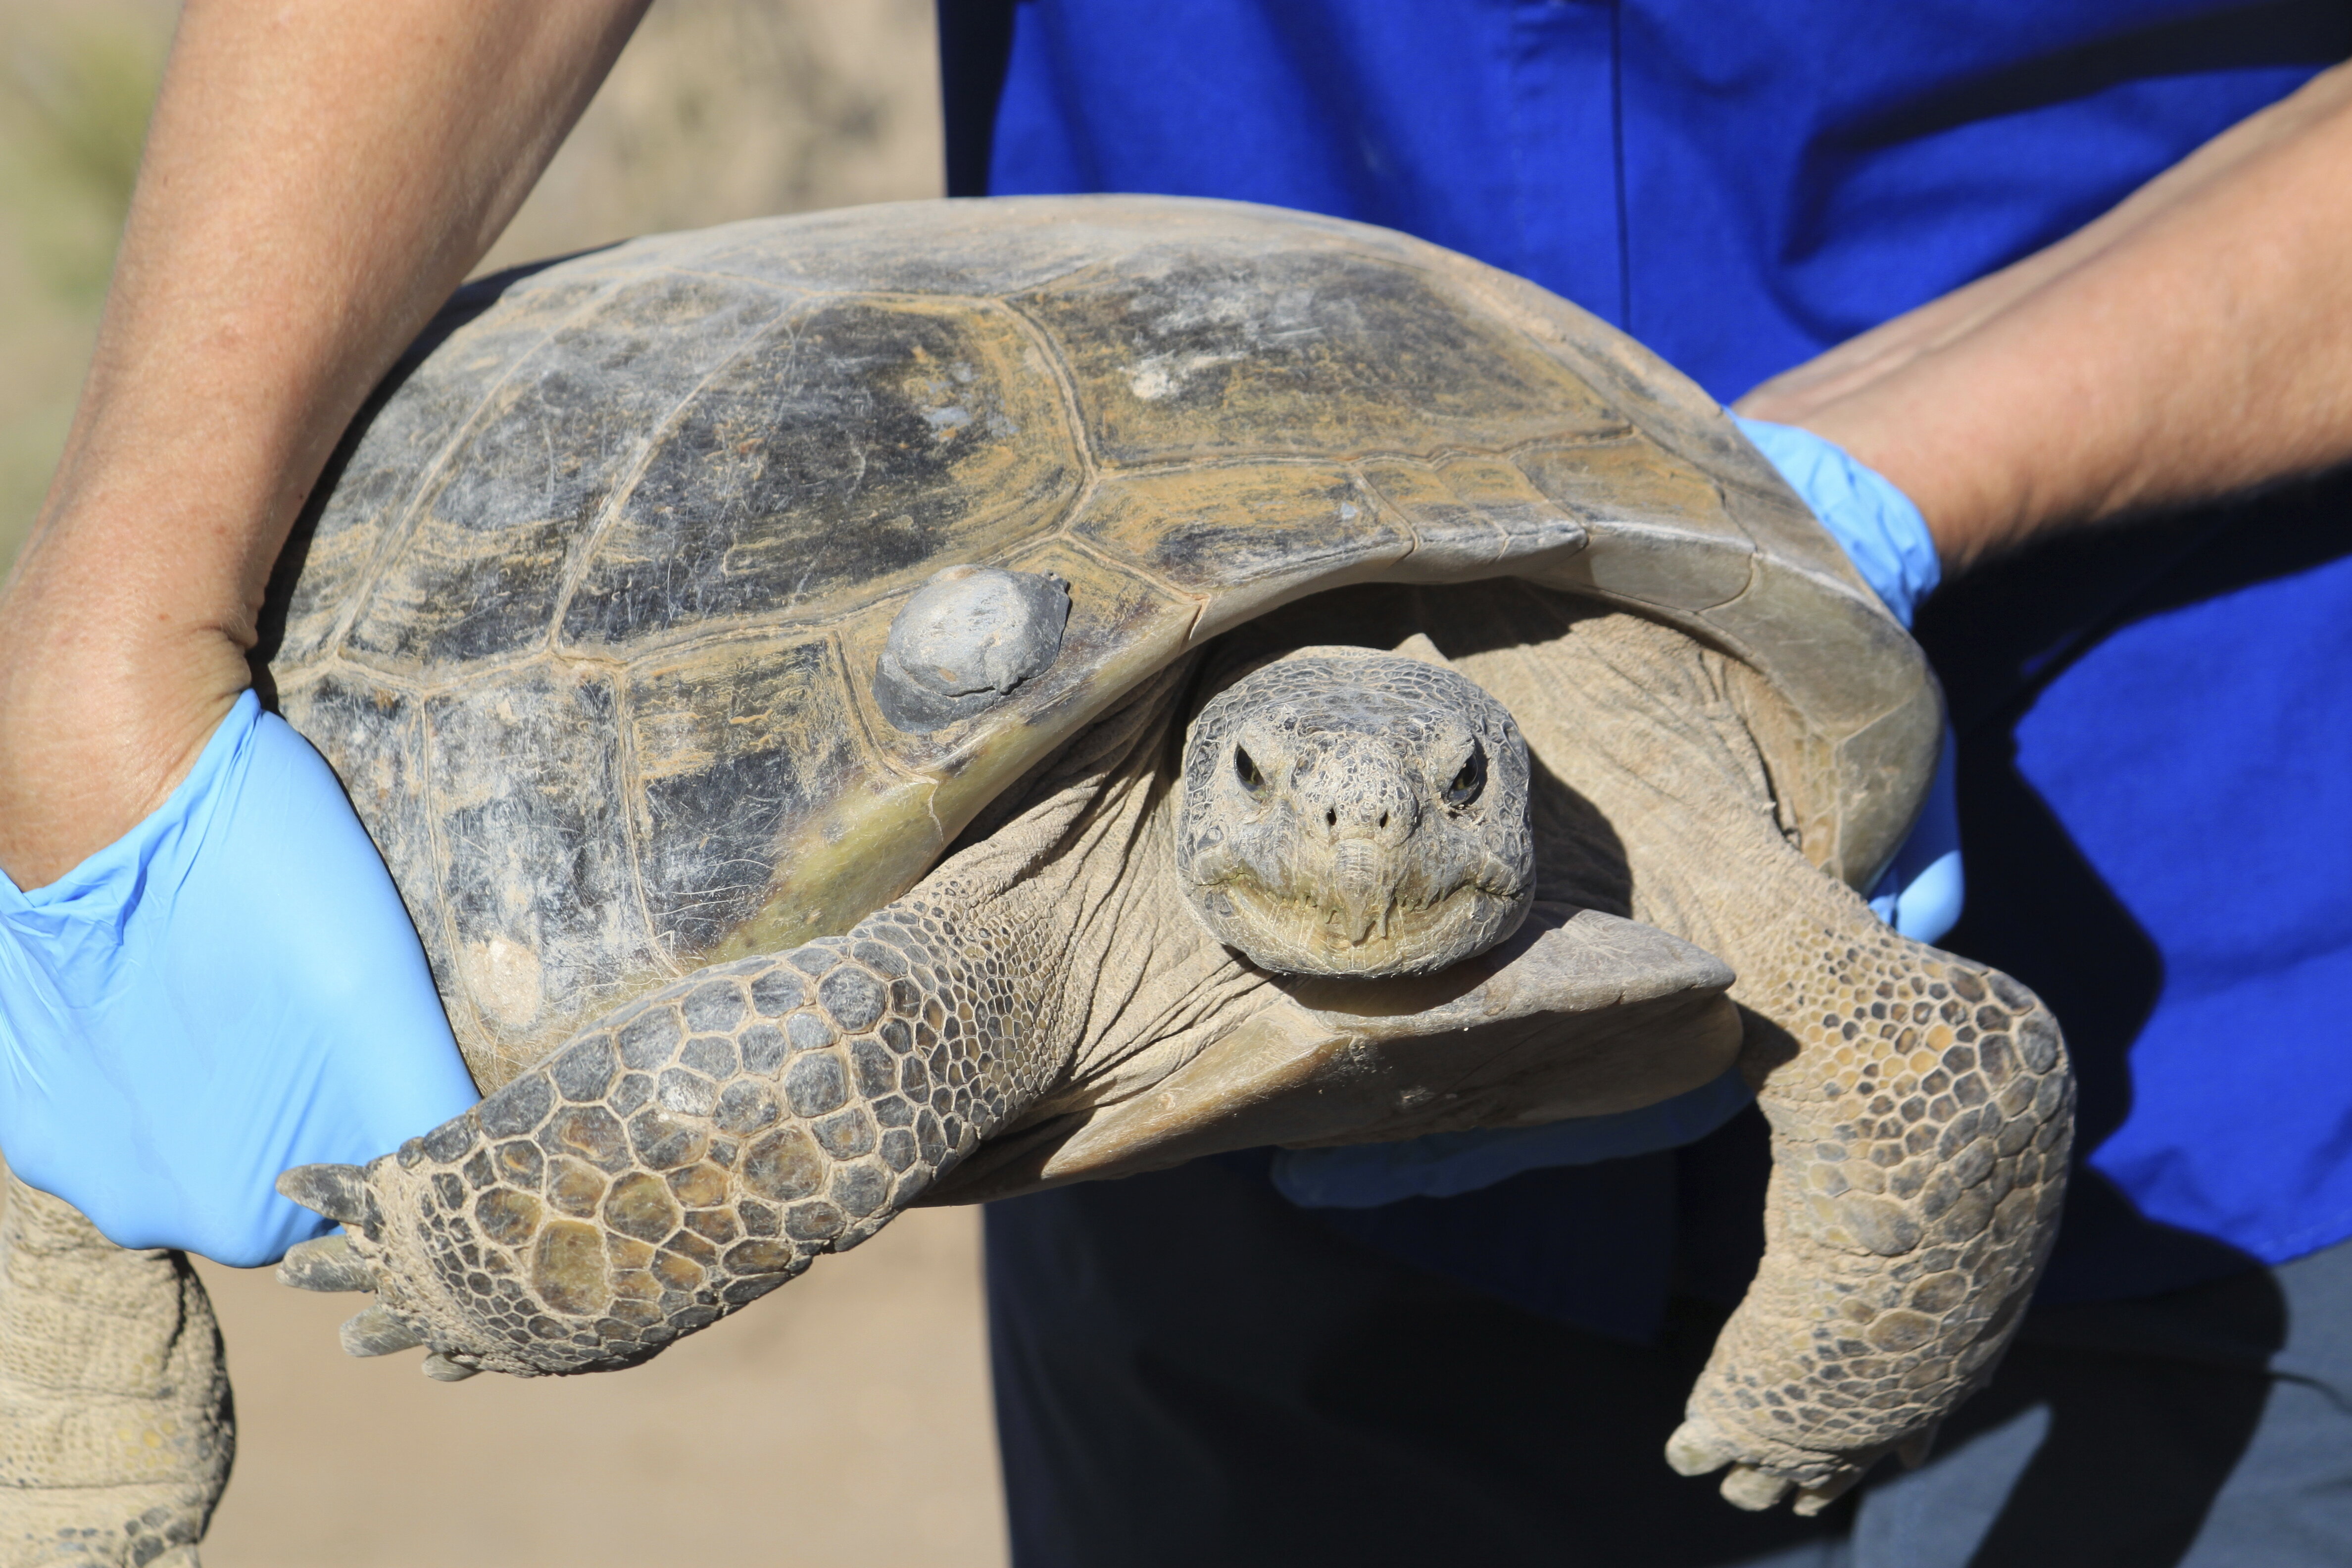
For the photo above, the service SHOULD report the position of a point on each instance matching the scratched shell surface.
(588, 620)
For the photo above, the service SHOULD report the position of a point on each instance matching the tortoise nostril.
(1330, 817)
(1384, 819)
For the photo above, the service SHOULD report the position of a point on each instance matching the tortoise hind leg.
(115, 1432)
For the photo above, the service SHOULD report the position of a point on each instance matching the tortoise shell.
(590, 618)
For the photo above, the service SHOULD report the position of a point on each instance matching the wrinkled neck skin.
(1078, 867)
(1324, 810)
(1648, 795)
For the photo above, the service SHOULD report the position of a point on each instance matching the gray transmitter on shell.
(966, 639)
(1349, 811)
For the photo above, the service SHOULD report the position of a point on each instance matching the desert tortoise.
(824, 688)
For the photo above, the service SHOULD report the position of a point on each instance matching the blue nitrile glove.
(232, 988)
(1887, 541)
(1877, 525)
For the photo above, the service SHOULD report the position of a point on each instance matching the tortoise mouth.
(1371, 938)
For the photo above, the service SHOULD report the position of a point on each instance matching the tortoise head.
(1353, 813)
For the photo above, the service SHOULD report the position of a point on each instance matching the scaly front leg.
(1919, 1145)
(690, 1153)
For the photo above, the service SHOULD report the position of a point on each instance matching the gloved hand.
(232, 988)
(1889, 543)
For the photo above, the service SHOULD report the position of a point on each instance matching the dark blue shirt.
(2156, 752)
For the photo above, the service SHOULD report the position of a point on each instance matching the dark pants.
(1190, 1371)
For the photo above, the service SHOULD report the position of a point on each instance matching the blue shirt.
(2155, 759)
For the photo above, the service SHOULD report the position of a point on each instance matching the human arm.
(207, 977)
(317, 179)
(2188, 346)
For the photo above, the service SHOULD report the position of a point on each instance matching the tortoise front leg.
(1919, 1145)
(689, 1153)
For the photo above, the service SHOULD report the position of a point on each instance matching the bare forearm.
(2192, 343)
(316, 178)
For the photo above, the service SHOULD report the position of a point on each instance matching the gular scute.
(965, 640)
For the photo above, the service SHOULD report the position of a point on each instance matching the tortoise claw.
(339, 1192)
(448, 1368)
(1811, 1500)
(1698, 1447)
(325, 1264)
(1753, 1490)
(1914, 1450)
(1695, 1448)
(377, 1333)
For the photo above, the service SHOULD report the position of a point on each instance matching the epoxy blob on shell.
(965, 640)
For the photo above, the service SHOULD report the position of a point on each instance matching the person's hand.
(232, 988)
(1887, 538)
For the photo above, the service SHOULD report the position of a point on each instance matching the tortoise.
(928, 702)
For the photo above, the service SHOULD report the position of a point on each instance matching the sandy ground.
(844, 1418)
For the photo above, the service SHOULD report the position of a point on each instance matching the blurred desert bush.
(718, 109)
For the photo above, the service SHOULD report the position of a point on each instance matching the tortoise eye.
(1246, 770)
(1471, 781)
